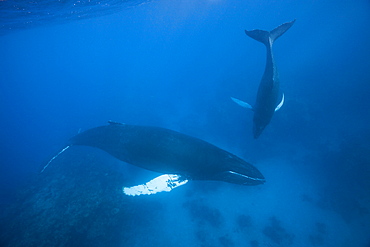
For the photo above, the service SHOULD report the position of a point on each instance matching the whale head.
(257, 130)
(238, 171)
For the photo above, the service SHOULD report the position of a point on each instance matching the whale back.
(166, 151)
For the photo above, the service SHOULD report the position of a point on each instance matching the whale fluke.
(268, 38)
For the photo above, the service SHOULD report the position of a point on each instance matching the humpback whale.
(268, 91)
(178, 156)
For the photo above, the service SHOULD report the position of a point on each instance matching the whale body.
(169, 152)
(269, 88)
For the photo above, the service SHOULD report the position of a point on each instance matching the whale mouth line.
(248, 177)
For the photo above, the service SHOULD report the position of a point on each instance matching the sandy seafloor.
(78, 201)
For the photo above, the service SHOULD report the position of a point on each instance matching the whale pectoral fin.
(242, 103)
(166, 182)
(280, 104)
(56, 156)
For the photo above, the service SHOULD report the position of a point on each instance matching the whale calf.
(269, 89)
(178, 156)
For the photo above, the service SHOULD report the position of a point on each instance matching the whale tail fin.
(268, 38)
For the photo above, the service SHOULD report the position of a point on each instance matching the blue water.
(68, 66)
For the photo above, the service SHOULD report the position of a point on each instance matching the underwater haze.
(68, 66)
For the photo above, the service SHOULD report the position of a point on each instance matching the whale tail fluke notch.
(268, 38)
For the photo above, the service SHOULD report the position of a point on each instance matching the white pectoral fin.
(56, 156)
(166, 182)
(242, 103)
(280, 104)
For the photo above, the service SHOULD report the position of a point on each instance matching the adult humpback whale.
(268, 91)
(179, 156)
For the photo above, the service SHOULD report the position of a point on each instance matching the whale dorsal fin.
(166, 182)
(280, 104)
(114, 123)
(242, 103)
